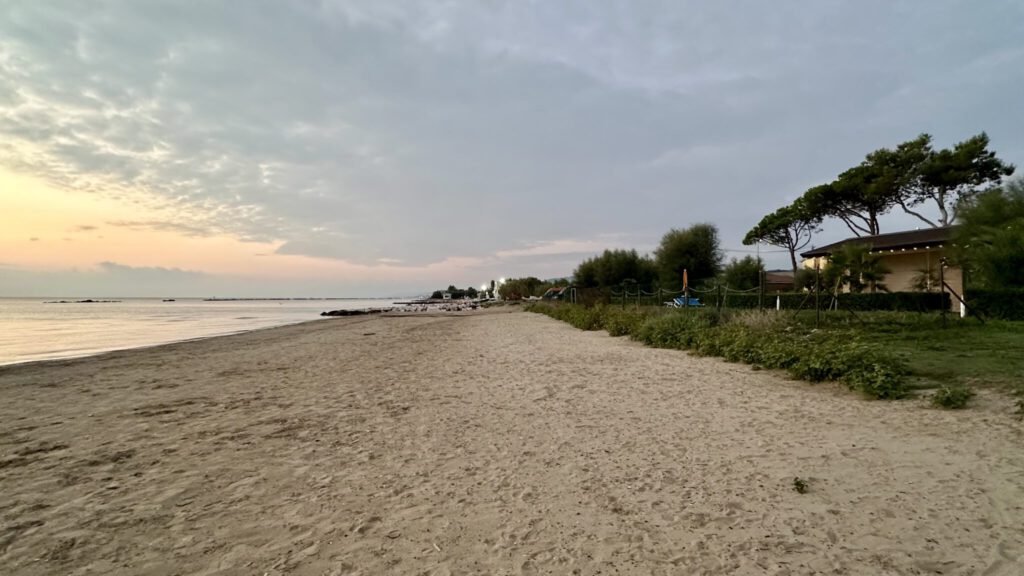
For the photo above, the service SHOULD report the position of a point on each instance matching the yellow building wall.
(906, 265)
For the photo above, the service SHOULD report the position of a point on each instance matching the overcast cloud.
(407, 133)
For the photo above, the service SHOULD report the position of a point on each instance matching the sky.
(349, 149)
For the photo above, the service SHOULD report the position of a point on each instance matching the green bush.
(619, 322)
(676, 329)
(1006, 304)
(765, 340)
(952, 397)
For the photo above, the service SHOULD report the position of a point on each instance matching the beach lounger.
(682, 302)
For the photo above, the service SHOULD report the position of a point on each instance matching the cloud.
(567, 247)
(184, 229)
(34, 239)
(85, 228)
(154, 272)
(404, 134)
(107, 279)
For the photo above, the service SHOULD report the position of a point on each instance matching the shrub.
(882, 379)
(1007, 304)
(766, 340)
(676, 329)
(619, 322)
(800, 485)
(952, 397)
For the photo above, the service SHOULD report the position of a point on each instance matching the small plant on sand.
(952, 397)
(800, 485)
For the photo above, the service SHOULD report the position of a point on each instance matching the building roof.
(925, 238)
(778, 276)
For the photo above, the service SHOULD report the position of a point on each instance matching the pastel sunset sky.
(337, 148)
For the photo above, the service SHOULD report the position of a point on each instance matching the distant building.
(778, 280)
(555, 293)
(912, 257)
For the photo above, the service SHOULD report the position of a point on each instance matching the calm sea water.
(31, 329)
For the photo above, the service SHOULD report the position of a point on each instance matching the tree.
(860, 195)
(951, 177)
(907, 176)
(519, 288)
(613, 267)
(883, 180)
(990, 239)
(789, 227)
(854, 266)
(695, 249)
(743, 274)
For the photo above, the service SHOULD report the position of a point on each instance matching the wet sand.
(487, 443)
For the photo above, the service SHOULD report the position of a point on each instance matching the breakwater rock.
(363, 312)
(87, 301)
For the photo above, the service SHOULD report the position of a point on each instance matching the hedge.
(893, 301)
(1007, 304)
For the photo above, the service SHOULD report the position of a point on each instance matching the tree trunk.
(792, 259)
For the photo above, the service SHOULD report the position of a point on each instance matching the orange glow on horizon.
(45, 228)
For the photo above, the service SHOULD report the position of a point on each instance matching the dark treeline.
(456, 293)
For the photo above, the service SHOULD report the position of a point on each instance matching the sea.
(34, 329)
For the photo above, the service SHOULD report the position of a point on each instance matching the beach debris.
(394, 534)
(800, 485)
(436, 547)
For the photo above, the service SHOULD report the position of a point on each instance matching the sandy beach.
(489, 442)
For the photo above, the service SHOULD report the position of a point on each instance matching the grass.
(964, 353)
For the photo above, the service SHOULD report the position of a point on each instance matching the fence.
(721, 296)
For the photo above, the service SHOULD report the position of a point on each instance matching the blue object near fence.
(682, 302)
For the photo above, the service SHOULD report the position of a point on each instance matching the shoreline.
(396, 309)
(493, 441)
(4, 366)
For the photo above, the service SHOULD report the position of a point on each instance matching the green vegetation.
(695, 249)
(457, 293)
(789, 227)
(520, 288)
(885, 355)
(882, 354)
(743, 274)
(952, 397)
(856, 268)
(907, 176)
(967, 353)
(800, 485)
(990, 239)
(763, 340)
(614, 267)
